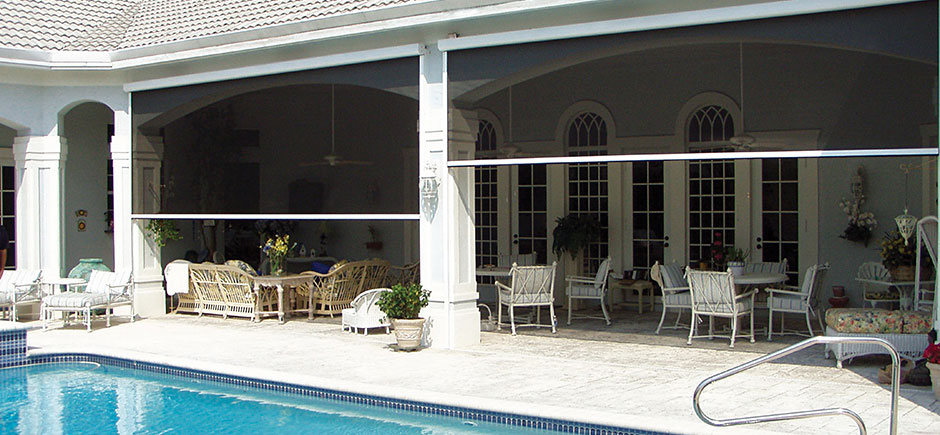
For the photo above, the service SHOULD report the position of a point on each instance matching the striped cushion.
(786, 302)
(75, 300)
(584, 290)
(743, 305)
(681, 298)
(525, 298)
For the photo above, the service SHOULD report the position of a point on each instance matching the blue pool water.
(85, 398)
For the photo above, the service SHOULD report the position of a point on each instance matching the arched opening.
(89, 188)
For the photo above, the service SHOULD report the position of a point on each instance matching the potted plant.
(736, 259)
(162, 231)
(403, 306)
(897, 256)
(572, 234)
(374, 244)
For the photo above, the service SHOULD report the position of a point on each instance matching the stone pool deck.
(627, 384)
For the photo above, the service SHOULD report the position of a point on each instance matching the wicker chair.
(407, 274)
(713, 295)
(229, 291)
(19, 287)
(375, 275)
(335, 290)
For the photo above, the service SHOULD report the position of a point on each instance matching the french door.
(529, 216)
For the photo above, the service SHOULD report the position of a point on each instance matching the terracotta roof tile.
(100, 25)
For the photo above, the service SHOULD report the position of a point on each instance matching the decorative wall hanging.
(430, 184)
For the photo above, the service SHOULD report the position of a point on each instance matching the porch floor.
(622, 374)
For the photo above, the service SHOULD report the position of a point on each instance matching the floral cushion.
(877, 321)
(243, 266)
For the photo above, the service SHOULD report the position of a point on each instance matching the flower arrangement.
(722, 254)
(861, 223)
(276, 249)
(894, 252)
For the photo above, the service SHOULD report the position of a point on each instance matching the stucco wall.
(86, 169)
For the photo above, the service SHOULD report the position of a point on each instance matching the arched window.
(587, 183)
(711, 183)
(485, 216)
(711, 124)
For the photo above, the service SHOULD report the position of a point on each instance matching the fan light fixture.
(743, 140)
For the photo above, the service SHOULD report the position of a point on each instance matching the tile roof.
(101, 25)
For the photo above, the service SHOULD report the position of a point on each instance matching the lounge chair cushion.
(877, 321)
(76, 300)
(243, 266)
(677, 298)
(787, 302)
(584, 290)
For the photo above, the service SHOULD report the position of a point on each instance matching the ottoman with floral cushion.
(906, 330)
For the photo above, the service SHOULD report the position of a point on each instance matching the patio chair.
(589, 287)
(713, 295)
(675, 291)
(531, 287)
(873, 293)
(104, 290)
(766, 267)
(407, 274)
(330, 293)
(792, 299)
(365, 313)
(19, 287)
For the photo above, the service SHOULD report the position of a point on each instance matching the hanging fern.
(162, 231)
(573, 233)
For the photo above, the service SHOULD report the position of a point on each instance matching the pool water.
(85, 398)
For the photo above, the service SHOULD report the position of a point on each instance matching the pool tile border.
(470, 414)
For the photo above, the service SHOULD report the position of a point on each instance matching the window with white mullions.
(648, 215)
(780, 214)
(532, 215)
(587, 182)
(485, 202)
(711, 183)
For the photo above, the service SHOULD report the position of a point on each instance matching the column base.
(150, 299)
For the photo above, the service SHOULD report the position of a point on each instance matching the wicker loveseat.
(906, 330)
(227, 291)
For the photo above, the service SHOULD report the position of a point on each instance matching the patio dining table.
(760, 278)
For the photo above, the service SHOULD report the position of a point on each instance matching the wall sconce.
(429, 185)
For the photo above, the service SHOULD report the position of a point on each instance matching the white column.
(40, 178)
(148, 271)
(447, 249)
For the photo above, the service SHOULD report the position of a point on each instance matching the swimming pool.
(84, 393)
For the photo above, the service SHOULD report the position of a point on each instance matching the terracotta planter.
(935, 378)
(838, 291)
(408, 333)
(838, 302)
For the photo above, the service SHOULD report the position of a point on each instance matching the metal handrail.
(895, 386)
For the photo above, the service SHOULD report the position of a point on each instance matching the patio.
(608, 375)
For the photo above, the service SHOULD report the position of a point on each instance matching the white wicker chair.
(766, 267)
(531, 286)
(589, 287)
(675, 291)
(713, 295)
(365, 313)
(104, 290)
(19, 287)
(791, 299)
(868, 274)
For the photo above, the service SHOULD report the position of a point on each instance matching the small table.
(279, 282)
(57, 282)
(496, 272)
(760, 278)
(641, 286)
(905, 290)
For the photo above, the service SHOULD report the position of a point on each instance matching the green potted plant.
(572, 234)
(403, 306)
(736, 259)
(162, 231)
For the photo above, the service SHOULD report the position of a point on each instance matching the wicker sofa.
(226, 291)
(335, 290)
(906, 330)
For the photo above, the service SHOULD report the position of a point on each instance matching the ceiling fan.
(744, 141)
(333, 159)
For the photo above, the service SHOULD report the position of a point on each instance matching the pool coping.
(522, 414)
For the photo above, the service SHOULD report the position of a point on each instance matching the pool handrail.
(895, 386)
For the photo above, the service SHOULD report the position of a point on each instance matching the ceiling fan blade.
(354, 162)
